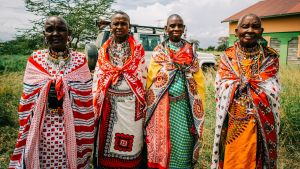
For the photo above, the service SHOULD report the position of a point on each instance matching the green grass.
(10, 92)
(289, 149)
(12, 63)
(209, 123)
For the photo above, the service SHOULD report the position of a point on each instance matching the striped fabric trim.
(80, 95)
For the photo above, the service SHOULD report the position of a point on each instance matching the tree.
(210, 48)
(80, 14)
(222, 43)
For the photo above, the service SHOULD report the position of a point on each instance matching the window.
(149, 41)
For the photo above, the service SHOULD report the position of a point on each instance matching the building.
(281, 23)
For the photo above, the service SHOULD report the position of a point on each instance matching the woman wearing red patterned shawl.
(56, 112)
(247, 115)
(175, 95)
(119, 85)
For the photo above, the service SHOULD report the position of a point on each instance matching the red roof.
(269, 8)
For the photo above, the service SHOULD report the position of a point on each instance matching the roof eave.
(265, 17)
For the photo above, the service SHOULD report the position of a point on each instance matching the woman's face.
(175, 28)
(249, 31)
(56, 33)
(120, 26)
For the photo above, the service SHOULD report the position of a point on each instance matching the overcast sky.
(202, 17)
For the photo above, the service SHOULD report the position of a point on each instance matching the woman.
(55, 113)
(247, 88)
(119, 81)
(175, 94)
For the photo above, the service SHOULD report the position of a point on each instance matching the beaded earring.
(45, 41)
(69, 41)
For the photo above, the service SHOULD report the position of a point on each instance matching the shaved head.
(58, 18)
(56, 32)
(175, 27)
(248, 15)
(174, 16)
(120, 13)
(249, 30)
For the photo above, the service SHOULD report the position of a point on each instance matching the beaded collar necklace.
(59, 58)
(249, 64)
(175, 45)
(119, 52)
(249, 52)
(59, 55)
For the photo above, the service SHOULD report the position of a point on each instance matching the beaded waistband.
(58, 111)
(123, 93)
(178, 98)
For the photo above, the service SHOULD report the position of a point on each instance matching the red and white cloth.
(74, 85)
(119, 101)
(52, 150)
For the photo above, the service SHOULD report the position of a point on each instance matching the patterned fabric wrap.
(75, 88)
(119, 103)
(264, 93)
(107, 74)
(158, 108)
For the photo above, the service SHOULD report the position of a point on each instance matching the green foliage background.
(81, 16)
(22, 45)
(11, 76)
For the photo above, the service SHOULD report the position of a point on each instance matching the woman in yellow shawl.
(175, 94)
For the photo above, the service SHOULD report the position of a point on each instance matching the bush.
(210, 48)
(23, 45)
(13, 63)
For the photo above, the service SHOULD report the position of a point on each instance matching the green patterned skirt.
(182, 140)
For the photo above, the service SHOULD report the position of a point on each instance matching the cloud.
(128, 5)
(13, 16)
(202, 17)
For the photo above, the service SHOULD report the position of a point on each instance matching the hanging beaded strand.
(249, 62)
